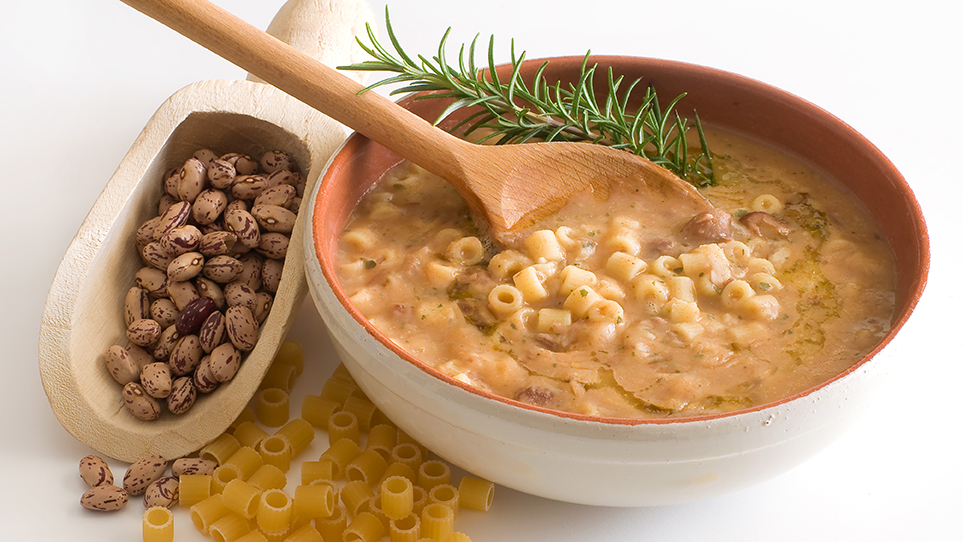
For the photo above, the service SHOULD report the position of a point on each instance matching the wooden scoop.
(508, 186)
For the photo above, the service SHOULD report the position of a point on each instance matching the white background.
(80, 79)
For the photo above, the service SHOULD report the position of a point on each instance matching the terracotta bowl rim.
(356, 140)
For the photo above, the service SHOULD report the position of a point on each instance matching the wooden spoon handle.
(310, 81)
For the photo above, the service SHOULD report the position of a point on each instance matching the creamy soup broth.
(616, 308)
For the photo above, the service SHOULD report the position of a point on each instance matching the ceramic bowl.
(625, 462)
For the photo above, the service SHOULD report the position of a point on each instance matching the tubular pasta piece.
(365, 527)
(280, 376)
(316, 471)
(276, 450)
(355, 495)
(543, 245)
(623, 266)
(247, 461)
(223, 475)
(332, 527)
(581, 300)
(573, 277)
(317, 410)
(158, 524)
(408, 454)
(291, 353)
(406, 529)
(268, 477)
(368, 467)
(343, 425)
(241, 498)
(314, 501)
(306, 533)
(399, 469)
(528, 281)
(299, 433)
(606, 311)
(735, 293)
(445, 494)
(274, 511)
(362, 408)
(504, 300)
(340, 453)
(193, 488)
(553, 320)
(432, 473)
(767, 203)
(665, 266)
(249, 434)
(246, 415)
(397, 497)
(437, 521)
(465, 251)
(221, 448)
(273, 407)
(508, 262)
(253, 536)
(206, 512)
(338, 390)
(229, 528)
(382, 438)
(476, 493)
(681, 287)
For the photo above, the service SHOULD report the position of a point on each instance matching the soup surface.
(620, 307)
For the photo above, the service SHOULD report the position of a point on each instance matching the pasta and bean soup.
(619, 307)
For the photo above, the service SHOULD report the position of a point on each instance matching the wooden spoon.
(507, 186)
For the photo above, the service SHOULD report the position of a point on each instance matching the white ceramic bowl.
(609, 461)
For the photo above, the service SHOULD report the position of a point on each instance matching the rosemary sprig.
(514, 112)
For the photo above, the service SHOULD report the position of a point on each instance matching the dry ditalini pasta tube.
(158, 524)
(194, 488)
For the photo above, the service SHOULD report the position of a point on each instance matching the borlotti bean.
(95, 472)
(212, 261)
(163, 492)
(106, 498)
(144, 472)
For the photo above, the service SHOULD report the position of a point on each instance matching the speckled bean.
(140, 404)
(162, 492)
(120, 365)
(204, 380)
(243, 164)
(95, 471)
(217, 243)
(144, 332)
(189, 320)
(280, 194)
(243, 224)
(107, 498)
(145, 233)
(206, 156)
(272, 161)
(222, 269)
(140, 357)
(154, 255)
(192, 465)
(185, 355)
(171, 179)
(242, 327)
(174, 217)
(271, 274)
(153, 280)
(251, 269)
(274, 245)
(237, 293)
(208, 288)
(193, 178)
(213, 332)
(181, 240)
(143, 473)
(164, 346)
(182, 395)
(164, 312)
(136, 305)
(181, 293)
(265, 302)
(185, 267)
(225, 361)
(156, 380)
(221, 173)
(209, 205)
(274, 218)
(249, 187)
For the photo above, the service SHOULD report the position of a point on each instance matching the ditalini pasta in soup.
(618, 307)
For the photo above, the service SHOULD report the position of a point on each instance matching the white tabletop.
(81, 79)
